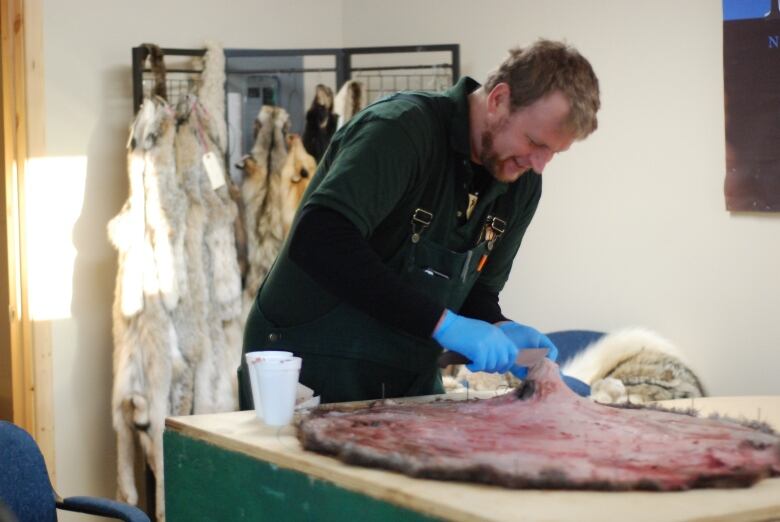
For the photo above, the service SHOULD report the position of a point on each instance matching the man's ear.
(498, 99)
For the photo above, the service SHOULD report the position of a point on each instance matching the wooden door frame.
(23, 125)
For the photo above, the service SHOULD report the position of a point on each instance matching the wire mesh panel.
(384, 82)
(176, 88)
(389, 70)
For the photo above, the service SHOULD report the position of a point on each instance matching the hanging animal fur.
(262, 195)
(350, 99)
(214, 273)
(157, 66)
(297, 172)
(211, 93)
(177, 306)
(147, 235)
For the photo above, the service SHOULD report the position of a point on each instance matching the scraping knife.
(527, 357)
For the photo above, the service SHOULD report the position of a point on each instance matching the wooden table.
(230, 467)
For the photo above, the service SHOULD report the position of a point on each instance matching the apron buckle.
(422, 216)
(498, 225)
(420, 221)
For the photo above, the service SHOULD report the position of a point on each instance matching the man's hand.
(526, 337)
(488, 348)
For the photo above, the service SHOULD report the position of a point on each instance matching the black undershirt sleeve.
(482, 303)
(330, 249)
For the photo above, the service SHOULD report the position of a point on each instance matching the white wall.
(88, 93)
(632, 229)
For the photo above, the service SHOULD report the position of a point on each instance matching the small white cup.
(252, 360)
(278, 380)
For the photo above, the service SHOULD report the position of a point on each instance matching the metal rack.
(379, 78)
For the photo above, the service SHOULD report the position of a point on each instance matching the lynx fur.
(635, 365)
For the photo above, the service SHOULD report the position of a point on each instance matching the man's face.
(514, 142)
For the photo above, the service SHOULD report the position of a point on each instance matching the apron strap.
(495, 227)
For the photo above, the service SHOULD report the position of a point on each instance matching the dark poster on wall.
(751, 70)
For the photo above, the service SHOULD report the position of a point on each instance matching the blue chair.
(572, 342)
(26, 491)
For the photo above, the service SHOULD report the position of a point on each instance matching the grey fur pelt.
(177, 306)
(211, 93)
(147, 234)
(262, 194)
(214, 273)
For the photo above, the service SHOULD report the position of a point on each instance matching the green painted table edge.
(209, 483)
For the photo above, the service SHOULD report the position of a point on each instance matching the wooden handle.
(449, 358)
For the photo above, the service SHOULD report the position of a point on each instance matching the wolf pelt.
(261, 192)
(635, 365)
(147, 234)
(211, 93)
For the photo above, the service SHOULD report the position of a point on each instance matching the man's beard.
(487, 156)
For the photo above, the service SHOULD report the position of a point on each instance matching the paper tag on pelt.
(214, 170)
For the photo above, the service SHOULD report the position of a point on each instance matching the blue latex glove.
(526, 337)
(488, 348)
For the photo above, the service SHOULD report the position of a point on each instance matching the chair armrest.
(103, 507)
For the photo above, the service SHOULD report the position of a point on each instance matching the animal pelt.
(297, 172)
(635, 365)
(239, 229)
(213, 252)
(320, 123)
(351, 98)
(147, 235)
(177, 305)
(211, 93)
(157, 66)
(261, 192)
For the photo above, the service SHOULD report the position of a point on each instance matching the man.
(407, 233)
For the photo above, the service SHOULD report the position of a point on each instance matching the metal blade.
(530, 356)
(526, 357)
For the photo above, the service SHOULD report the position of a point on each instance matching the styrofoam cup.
(252, 360)
(278, 380)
